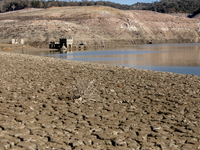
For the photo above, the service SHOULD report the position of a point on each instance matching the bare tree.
(28, 3)
(2, 6)
(41, 4)
(84, 2)
(13, 7)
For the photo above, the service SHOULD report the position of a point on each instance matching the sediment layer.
(48, 103)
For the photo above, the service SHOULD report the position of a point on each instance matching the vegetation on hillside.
(11, 5)
(163, 6)
(196, 12)
(173, 6)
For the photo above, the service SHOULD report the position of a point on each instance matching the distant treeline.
(11, 5)
(173, 6)
(164, 6)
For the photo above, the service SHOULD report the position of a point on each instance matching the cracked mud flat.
(48, 103)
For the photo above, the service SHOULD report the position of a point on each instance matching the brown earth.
(19, 48)
(48, 103)
(197, 16)
(97, 25)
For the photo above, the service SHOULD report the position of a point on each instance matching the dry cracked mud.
(48, 103)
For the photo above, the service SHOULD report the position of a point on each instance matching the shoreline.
(117, 42)
(62, 104)
(28, 50)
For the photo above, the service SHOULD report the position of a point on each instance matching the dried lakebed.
(48, 103)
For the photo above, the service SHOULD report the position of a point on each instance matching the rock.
(27, 145)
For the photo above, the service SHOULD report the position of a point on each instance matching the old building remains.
(68, 43)
(15, 41)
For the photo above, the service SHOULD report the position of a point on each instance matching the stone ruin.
(15, 41)
(68, 43)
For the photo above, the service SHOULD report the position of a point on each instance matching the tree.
(84, 3)
(2, 6)
(28, 3)
(164, 6)
(41, 4)
(13, 7)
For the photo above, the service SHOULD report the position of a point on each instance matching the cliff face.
(98, 25)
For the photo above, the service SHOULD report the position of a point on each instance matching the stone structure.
(68, 43)
(63, 49)
(15, 41)
(22, 41)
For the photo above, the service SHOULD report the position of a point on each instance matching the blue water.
(105, 52)
(103, 55)
(192, 70)
(176, 58)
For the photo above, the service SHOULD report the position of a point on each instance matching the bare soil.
(48, 103)
(97, 25)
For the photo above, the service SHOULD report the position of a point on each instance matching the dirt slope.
(97, 25)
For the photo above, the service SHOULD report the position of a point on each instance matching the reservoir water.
(176, 58)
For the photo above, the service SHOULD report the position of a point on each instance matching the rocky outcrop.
(58, 104)
(98, 25)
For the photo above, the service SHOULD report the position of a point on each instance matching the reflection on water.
(177, 58)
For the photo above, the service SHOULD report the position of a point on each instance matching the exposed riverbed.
(49, 103)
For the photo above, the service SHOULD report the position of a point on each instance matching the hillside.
(164, 6)
(170, 6)
(97, 25)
